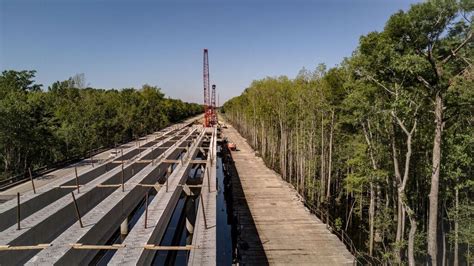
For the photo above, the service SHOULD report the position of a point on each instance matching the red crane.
(207, 107)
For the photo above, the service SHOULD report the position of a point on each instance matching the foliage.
(42, 127)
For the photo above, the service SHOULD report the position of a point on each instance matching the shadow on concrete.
(246, 240)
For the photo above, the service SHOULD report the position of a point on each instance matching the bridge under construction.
(175, 197)
(178, 196)
(119, 208)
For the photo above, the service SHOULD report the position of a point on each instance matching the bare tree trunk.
(349, 216)
(400, 231)
(443, 236)
(368, 138)
(322, 184)
(263, 138)
(411, 236)
(297, 156)
(254, 125)
(456, 229)
(402, 184)
(371, 219)
(303, 178)
(433, 212)
(290, 158)
(281, 149)
(328, 194)
(400, 209)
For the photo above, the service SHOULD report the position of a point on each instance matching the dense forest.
(383, 142)
(68, 120)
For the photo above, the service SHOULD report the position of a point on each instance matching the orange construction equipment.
(231, 146)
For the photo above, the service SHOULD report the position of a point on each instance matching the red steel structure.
(207, 104)
(213, 104)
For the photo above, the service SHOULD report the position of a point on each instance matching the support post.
(32, 182)
(77, 180)
(168, 173)
(91, 158)
(77, 210)
(208, 179)
(139, 149)
(18, 217)
(203, 211)
(146, 208)
(152, 160)
(123, 179)
(124, 228)
(188, 149)
(210, 153)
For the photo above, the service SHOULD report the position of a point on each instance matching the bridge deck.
(289, 233)
(62, 243)
(29, 222)
(47, 213)
(204, 238)
(59, 176)
(139, 235)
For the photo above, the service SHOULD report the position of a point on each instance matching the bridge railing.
(325, 217)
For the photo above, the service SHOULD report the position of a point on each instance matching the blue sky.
(119, 44)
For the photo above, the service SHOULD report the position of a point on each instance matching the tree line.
(383, 142)
(40, 127)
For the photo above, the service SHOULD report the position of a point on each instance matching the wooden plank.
(157, 247)
(39, 246)
(73, 186)
(109, 185)
(171, 161)
(150, 185)
(144, 161)
(199, 161)
(156, 186)
(99, 247)
(182, 185)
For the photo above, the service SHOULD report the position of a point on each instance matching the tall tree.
(436, 34)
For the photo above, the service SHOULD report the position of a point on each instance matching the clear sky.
(118, 43)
